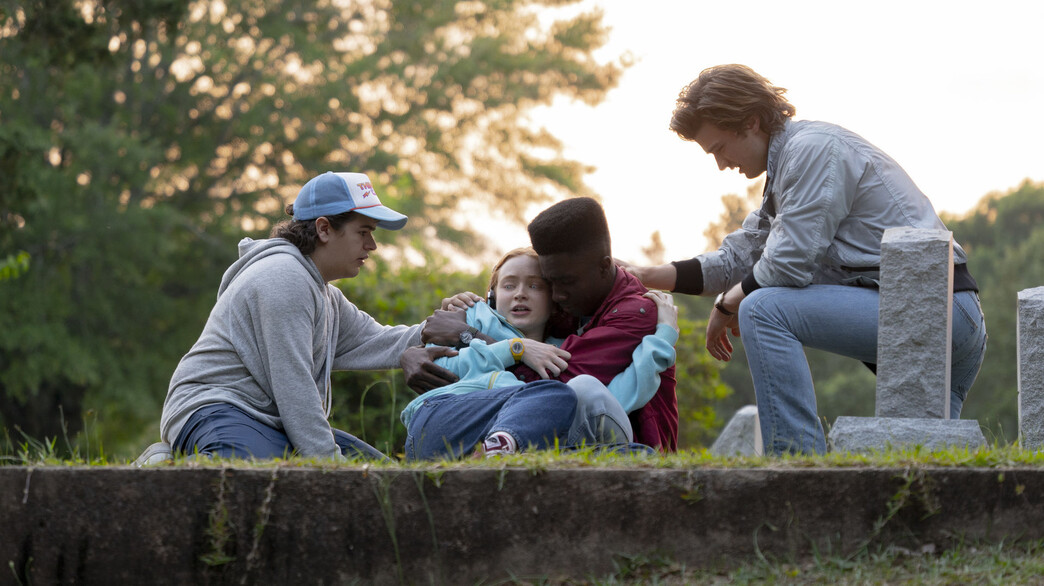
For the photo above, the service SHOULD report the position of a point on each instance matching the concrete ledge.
(170, 525)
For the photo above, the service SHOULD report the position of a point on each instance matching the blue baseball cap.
(332, 193)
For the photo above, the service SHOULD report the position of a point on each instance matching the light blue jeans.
(776, 323)
(540, 414)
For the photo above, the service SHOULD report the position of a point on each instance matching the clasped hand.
(547, 360)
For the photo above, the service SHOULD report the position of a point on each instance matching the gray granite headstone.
(913, 351)
(741, 436)
(1030, 332)
(913, 336)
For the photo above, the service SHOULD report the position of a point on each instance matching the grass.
(19, 449)
(1003, 563)
(963, 563)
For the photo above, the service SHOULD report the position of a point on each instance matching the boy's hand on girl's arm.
(444, 328)
(546, 360)
(421, 373)
(460, 301)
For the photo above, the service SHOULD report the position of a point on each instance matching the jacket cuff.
(502, 350)
(750, 284)
(690, 276)
(667, 333)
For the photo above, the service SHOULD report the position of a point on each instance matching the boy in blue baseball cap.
(257, 382)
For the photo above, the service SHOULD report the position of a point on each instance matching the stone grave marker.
(913, 352)
(741, 436)
(1030, 332)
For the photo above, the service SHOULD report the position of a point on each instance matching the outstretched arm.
(444, 327)
(655, 277)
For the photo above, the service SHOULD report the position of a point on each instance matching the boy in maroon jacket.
(572, 239)
(573, 243)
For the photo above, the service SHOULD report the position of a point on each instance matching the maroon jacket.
(604, 348)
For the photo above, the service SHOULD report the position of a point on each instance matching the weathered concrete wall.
(311, 526)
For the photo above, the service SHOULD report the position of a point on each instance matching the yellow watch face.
(517, 349)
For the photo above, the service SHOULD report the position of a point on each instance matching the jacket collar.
(624, 285)
(776, 142)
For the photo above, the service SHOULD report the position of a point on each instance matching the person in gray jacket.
(803, 269)
(257, 382)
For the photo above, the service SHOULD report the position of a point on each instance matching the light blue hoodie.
(483, 366)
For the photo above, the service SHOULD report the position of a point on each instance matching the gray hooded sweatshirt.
(270, 343)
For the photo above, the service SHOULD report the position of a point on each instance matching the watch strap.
(518, 348)
(719, 304)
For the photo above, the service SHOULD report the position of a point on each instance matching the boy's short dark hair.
(572, 225)
(302, 234)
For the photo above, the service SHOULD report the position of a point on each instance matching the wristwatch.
(467, 336)
(517, 349)
(719, 304)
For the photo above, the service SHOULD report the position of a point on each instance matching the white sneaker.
(157, 453)
(499, 443)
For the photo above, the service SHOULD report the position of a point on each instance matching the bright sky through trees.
(953, 91)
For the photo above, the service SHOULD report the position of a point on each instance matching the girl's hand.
(666, 310)
(460, 301)
(547, 360)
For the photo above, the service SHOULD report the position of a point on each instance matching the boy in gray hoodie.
(257, 382)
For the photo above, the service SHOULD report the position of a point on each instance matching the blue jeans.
(778, 322)
(229, 432)
(539, 414)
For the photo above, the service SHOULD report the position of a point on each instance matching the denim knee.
(599, 416)
(539, 414)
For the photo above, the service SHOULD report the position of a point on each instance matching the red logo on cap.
(366, 189)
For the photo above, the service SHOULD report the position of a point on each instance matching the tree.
(736, 210)
(1004, 239)
(140, 139)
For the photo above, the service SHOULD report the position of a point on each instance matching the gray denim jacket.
(829, 197)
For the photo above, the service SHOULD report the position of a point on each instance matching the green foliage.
(1010, 561)
(26, 450)
(367, 404)
(1004, 239)
(140, 140)
(14, 265)
(700, 388)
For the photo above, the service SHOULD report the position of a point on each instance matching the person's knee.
(554, 392)
(593, 398)
(554, 402)
(758, 304)
(604, 415)
(588, 390)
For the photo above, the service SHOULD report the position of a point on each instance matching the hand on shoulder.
(666, 310)
(460, 301)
